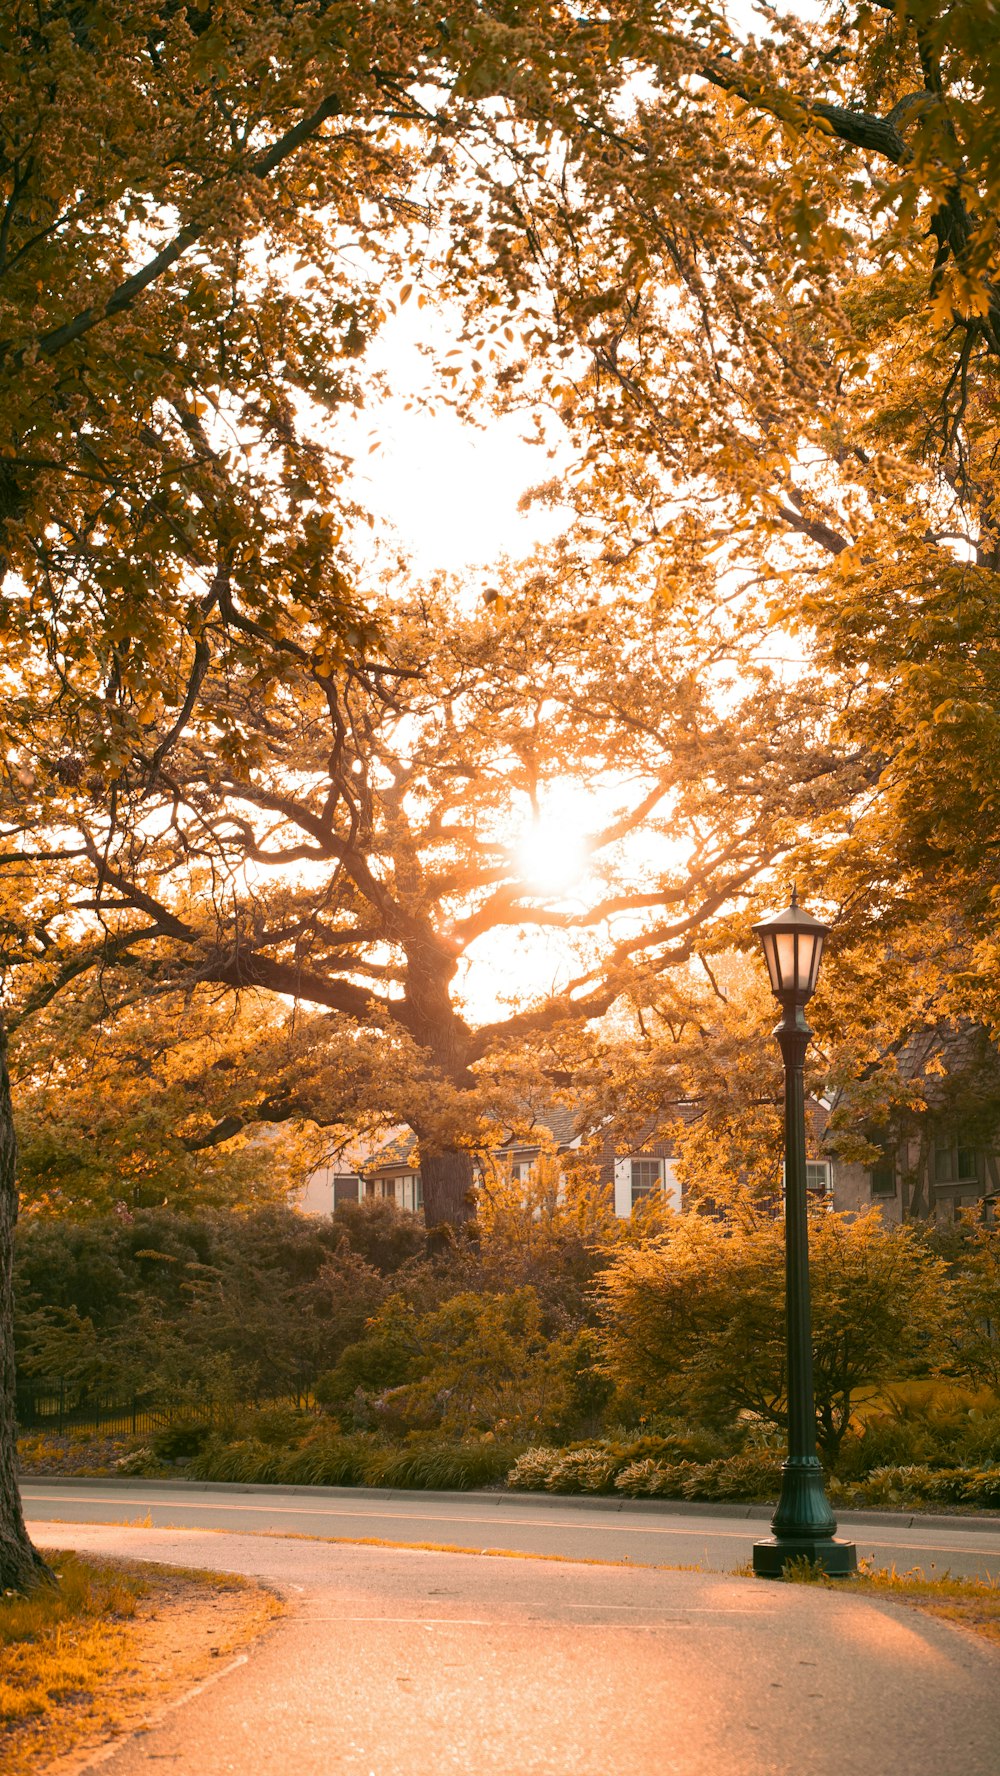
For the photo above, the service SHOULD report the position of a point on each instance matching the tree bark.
(21, 1567)
(448, 1180)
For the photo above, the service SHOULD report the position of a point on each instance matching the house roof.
(398, 1155)
(556, 1122)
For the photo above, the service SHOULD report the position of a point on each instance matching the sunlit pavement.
(587, 1530)
(406, 1662)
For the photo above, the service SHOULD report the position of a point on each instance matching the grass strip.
(82, 1661)
(60, 1642)
(972, 1603)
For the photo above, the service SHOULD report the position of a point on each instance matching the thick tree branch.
(126, 294)
(860, 129)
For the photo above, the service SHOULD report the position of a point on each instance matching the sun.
(552, 852)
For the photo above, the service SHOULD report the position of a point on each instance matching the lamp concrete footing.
(838, 1559)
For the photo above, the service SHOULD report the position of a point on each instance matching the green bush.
(583, 1470)
(278, 1426)
(328, 1459)
(477, 1364)
(451, 1467)
(138, 1462)
(174, 1442)
(531, 1471)
(752, 1476)
(248, 1461)
(693, 1320)
(325, 1457)
(896, 1487)
(649, 1478)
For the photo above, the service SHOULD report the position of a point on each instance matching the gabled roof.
(556, 1122)
(398, 1155)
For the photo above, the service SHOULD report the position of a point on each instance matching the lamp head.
(792, 942)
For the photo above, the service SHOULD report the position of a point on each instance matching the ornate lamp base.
(838, 1559)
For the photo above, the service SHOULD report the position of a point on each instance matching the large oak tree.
(197, 206)
(372, 837)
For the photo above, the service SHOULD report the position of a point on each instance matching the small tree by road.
(693, 1322)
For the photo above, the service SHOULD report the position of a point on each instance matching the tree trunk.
(21, 1568)
(448, 1180)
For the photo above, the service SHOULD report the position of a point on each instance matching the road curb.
(547, 1500)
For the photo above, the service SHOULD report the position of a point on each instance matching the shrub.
(328, 1459)
(173, 1442)
(247, 1460)
(138, 1462)
(895, 1486)
(478, 1363)
(594, 1467)
(532, 1469)
(583, 1470)
(653, 1479)
(277, 1426)
(694, 1319)
(452, 1467)
(983, 1488)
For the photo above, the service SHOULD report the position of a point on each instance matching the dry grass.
(285, 1535)
(973, 1603)
(61, 1641)
(85, 1660)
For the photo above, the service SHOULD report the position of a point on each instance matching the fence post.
(62, 1402)
(133, 1415)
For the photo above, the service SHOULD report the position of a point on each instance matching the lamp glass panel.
(817, 951)
(768, 942)
(785, 946)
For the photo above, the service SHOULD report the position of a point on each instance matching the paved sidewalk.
(401, 1662)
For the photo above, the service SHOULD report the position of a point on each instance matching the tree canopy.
(753, 272)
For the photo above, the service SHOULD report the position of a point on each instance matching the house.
(940, 1158)
(935, 1160)
(391, 1173)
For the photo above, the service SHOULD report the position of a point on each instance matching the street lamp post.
(804, 1525)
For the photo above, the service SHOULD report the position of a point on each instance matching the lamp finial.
(795, 894)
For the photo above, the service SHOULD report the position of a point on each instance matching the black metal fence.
(58, 1406)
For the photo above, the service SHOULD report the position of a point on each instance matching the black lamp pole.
(804, 1525)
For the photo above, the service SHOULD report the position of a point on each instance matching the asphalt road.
(589, 1530)
(409, 1662)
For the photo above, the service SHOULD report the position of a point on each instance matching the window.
(954, 1165)
(882, 1176)
(818, 1176)
(412, 1197)
(345, 1189)
(647, 1177)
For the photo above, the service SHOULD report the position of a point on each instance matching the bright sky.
(451, 489)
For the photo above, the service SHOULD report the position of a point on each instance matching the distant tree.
(216, 1305)
(975, 1324)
